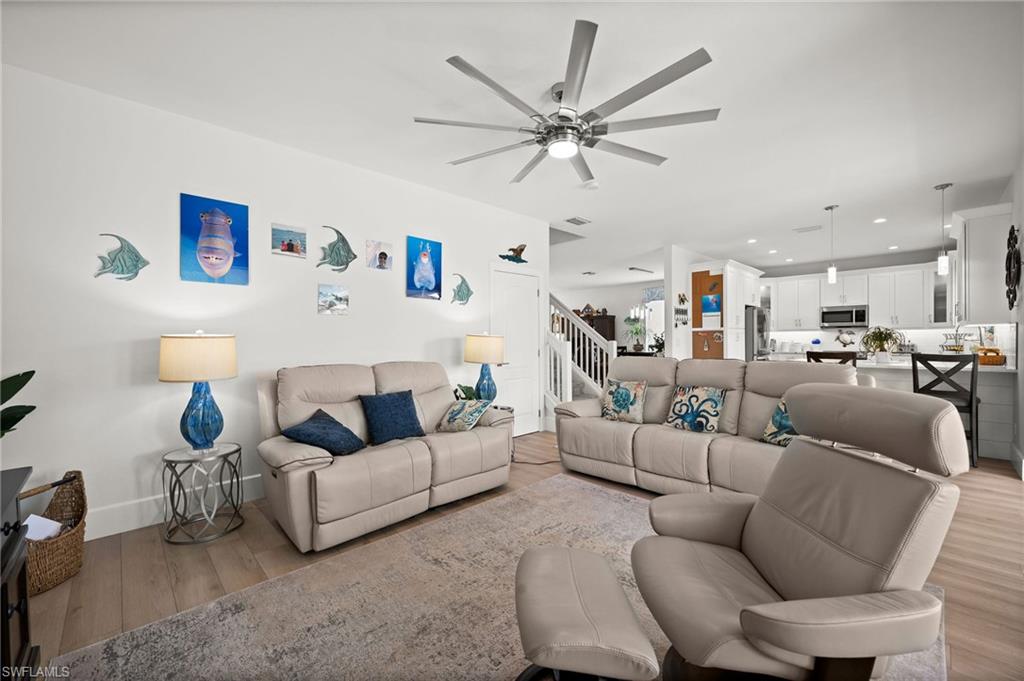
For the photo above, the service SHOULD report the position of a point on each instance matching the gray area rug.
(436, 601)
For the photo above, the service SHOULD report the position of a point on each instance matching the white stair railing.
(591, 354)
(558, 356)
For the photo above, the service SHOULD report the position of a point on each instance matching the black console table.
(17, 654)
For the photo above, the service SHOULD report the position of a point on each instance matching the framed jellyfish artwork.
(214, 241)
(422, 268)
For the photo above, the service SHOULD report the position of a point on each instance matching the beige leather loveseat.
(665, 459)
(320, 500)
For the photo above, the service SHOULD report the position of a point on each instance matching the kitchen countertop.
(898, 363)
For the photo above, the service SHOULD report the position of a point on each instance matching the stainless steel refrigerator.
(756, 326)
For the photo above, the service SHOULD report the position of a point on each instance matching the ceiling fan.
(561, 134)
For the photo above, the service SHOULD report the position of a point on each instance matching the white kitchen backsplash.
(927, 340)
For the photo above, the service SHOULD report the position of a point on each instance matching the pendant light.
(943, 259)
(831, 271)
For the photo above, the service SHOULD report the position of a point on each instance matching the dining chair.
(944, 384)
(843, 356)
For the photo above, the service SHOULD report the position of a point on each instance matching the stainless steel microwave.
(844, 316)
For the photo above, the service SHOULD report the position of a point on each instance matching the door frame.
(541, 326)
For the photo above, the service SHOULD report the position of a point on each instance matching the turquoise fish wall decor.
(515, 254)
(462, 292)
(337, 254)
(124, 262)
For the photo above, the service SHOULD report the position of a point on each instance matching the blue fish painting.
(214, 241)
(422, 268)
(124, 262)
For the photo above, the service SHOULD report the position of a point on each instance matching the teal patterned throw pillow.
(696, 408)
(463, 415)
(779, 430)
(624, 401)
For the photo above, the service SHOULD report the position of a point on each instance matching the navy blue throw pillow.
(391, 416)
(324, 431)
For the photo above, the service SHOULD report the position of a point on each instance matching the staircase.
(577, 357)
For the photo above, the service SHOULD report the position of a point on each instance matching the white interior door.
(515, 314)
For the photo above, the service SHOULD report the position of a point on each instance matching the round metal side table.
(202, 493)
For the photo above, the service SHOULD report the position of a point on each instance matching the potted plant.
(658, 343)
(880, 341)
(636, 330)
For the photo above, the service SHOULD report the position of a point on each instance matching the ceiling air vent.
(589, 273)
(579, 221)
(804, 230)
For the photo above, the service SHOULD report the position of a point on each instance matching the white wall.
(79, 163)
(619, 300)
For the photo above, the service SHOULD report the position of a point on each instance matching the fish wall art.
(422, 268)
(124, 261)
(338, 254)
(515, 254)
(214, 241)
(462, 292)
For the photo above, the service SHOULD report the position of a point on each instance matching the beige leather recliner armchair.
(822, 574)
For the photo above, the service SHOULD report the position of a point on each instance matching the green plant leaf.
(10, 386)
(10, 416)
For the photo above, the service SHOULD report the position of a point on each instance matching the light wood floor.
(134, 578)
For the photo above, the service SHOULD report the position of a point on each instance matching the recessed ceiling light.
(773, 251)
(879, 221)
(789, 259)
(751, 241)
(946, 226)
(893, 248)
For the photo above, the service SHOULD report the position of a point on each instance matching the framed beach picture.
(214, 241)
(331, 300)
(422, 268)
(380, 255)
(285, 240)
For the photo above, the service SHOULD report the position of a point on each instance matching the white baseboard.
(130, 515)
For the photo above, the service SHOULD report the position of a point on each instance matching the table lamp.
(197, 358)
(485, 350)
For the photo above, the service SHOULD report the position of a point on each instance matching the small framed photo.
(380, 255)
(285, 240)
(331, 300)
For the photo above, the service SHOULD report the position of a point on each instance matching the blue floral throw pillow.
(696, 408)
(463, 415)
(780, 430)
(324, 431)
(624, 401)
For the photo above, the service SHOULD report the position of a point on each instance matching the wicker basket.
(53, 561)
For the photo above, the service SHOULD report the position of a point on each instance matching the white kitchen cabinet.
(980, 295)
(897, 299)
(849, 289)
(908, 299)
(735, 344)
(880, 299)
(796, 304)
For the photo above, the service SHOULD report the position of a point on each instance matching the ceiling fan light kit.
(563, 133)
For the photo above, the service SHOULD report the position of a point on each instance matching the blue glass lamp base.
(202, 421)
(485, 388)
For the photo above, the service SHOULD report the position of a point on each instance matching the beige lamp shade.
(197, 357)
(484, 349)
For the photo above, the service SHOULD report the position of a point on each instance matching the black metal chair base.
(675, 668)
(536, 673)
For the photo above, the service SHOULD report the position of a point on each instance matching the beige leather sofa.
(320, 500)
(665, 459)
(821, 576)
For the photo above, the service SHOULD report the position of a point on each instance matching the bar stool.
(964, 398)
(843, 356)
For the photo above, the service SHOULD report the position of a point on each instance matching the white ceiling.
(864, 105)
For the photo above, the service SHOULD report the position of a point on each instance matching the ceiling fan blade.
(528, 168)
(492, 152)
(579, 58)
(666, 76)
(582, 169)
(465, 124)
(623, 150)
(656, 122)
(474, 73)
